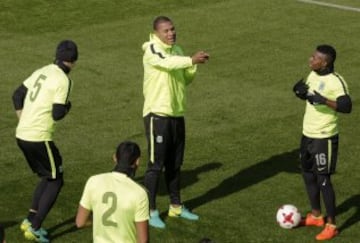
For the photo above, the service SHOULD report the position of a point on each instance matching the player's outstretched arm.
(200, 57)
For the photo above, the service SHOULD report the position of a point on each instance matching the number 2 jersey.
(117, 203)
(46, 86)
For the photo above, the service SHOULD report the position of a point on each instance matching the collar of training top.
(325, 71)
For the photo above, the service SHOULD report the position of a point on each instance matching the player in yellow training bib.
(167, 73)
(119, 206)
(326, 94)
(40, 101)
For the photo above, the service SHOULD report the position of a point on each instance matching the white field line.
(331, 5)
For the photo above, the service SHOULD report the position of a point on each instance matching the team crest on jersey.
(159, 139)
(321, 86)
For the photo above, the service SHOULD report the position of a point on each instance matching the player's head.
(127, 158)
(329, 52)
(323, 58)
(67, 51)
(164, 29)
(66, 54)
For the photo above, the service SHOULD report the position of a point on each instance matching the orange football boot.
(311, 220)
(328, 232)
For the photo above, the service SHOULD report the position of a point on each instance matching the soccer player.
(167, 73)
(119, 205)
(40, 101)
(326, 94)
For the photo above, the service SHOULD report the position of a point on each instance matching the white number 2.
(109, 198)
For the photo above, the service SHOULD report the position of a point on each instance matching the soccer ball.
(288, 216)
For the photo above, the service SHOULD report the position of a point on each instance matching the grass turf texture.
(243, 122)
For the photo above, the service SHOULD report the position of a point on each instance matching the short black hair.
(127, 153)
(330, 53)
(160, 19)
(66, 51)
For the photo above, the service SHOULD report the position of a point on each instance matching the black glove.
(301, 89)
(316, 99)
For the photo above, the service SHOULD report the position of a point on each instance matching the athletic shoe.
(35, 235)
(155, 220)
(182, 212)
(26, 224)
(311, 220)
(328, 232)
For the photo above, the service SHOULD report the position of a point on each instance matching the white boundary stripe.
(331, 5)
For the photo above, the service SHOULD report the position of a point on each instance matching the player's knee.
(57, 182)
(309, 177)
(324, 181)
(154, 168)
(153, 173)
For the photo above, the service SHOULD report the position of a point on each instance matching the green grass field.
(243, 121)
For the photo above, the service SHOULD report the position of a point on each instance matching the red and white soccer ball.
(288, 216)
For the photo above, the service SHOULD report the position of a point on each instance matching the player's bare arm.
(83, 217)
(142, 232)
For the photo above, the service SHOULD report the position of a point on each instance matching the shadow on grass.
(352, 202)
(69, 226)
(189, 177)
(285, 162)
(8, 224)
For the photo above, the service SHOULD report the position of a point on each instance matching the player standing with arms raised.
(167, 73)
(40, 101)
(326, 93)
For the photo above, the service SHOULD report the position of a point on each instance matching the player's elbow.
(80, 223)
(59, 111)
(18, 97)
(81, 220)
(344, 104)
(83, 217)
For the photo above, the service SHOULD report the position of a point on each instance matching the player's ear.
(325, 62)
(136, 163)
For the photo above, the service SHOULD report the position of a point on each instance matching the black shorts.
(319, 155)
(43, 158)
(166, 141)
